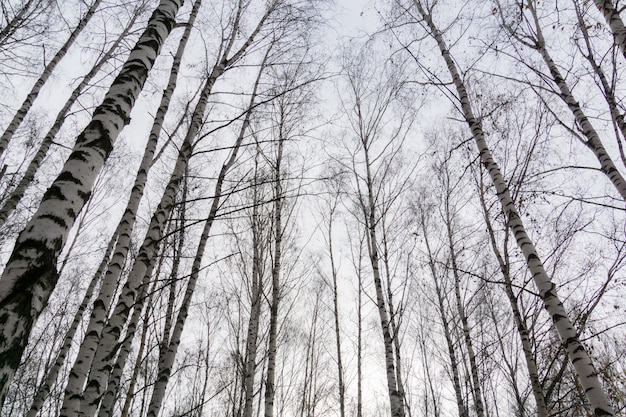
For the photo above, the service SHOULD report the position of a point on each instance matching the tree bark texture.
(47, 72)
(577, 353)
(30, 274)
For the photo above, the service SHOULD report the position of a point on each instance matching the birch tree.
(47, 72)
(577, 353)
(536, 40)
(11, 203)
(615, 22)
(170, 348)
(124, 231)
(107, 346)
(29, 276)
(370, 103)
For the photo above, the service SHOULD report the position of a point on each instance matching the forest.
(299, 208)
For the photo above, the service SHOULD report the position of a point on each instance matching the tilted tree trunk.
(130, 394)
(84, 359)
(615, 22)
(30, 274)
(520, 323)
(166, 359)
(47, 72)
(18, 192)
(593, 141)
(454, 366)
(16, 21)
(608, 90)
(51, 377)
(467, 338)
(587, 376)
(115, 377)
(108, 345)
(368, 206)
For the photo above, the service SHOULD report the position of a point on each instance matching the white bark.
(454, 367)
(51, 377)
(168, 354)
(520, 322)
(108, 345)
(275, 300)
(593, 142)
(476, 384)
(84, 359)
(16, 195)
(47, 72)
(577, 353)
(30, 274)
(614, 21)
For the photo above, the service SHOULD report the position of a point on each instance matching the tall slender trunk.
(454, 367)
(593, 141)
(341, 386)
(250, 363)
(608, 89)
(615, 22)
(166, 359)
(130, 395)
(467, 338)
(98, 318)
(256, 298)
(30, 274)
(359, 337)
(107, 346)
(124, 348)
(520, 323)
(276, 269)
(587, 376)
(18, 192)
(396, 401)
(47, 72)
(395, 317)
(16, 21)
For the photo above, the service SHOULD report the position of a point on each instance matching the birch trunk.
(476, 391)
(333, 270)
(16, 21)
(16, 195)
(47, 72)
(593, 141)
(369, 211)
(359, 343)
(50, 378)
(608, 90)
(130, 395)
(112, 393)
(615, 22)
(577, 353)
(30, 274)
(255, 313)
(454, 367)
(101, 365)
(395, 317)
(520, 323)
(276, 269)
(84, 359)
(166, 360)
(115, 377)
